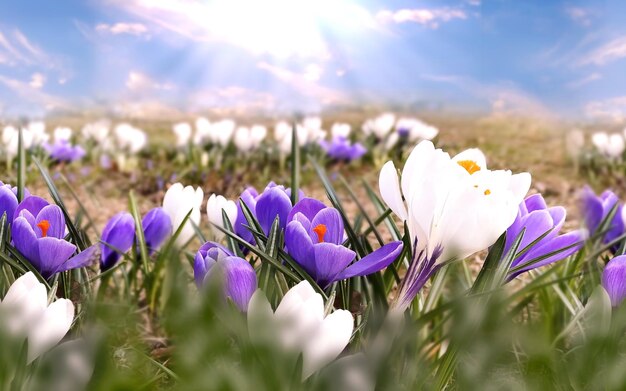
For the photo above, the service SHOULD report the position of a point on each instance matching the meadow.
(356, 251)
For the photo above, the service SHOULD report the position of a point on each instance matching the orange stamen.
(469, 166)
(44, 225)
(320, 230)
(487, 192)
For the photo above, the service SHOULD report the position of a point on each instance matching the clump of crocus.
(38, 232)
(453, 208)
(597, 209)
(300, 325)
(63, 151)
(314, 238)
(27, 314)
(614, 279)
(117, 239)
(340, 148)
(540, 224)
(238, 275)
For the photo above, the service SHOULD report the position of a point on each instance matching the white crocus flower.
(243, 140)
(416, 129)
(129, 138)
(283, 134)
(37, 130)
(203, 132)
(222, 132)
(314, 131)
(453, 203)
(340, 130)
(214, 207)
(299, 325)
(177, 203)
(182, 131)
(611, 146)
(10, 141)
(379, 126)
(258, 134)
(62, 133)
(44, 325)
(97, 131)
(453, 207)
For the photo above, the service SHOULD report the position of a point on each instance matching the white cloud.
(281, 28)
(37, 80)
(313, 72)
(122, 28)
(475, 3)
(585, 80)
(34, 95)
(612, 109)
(304, 86)
(139, 82)
(608, 52)
(427, 17)
(580, 15)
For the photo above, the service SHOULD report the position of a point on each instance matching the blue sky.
(141, 57)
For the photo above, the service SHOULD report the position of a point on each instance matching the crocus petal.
(331, 219)
(54, 215)
(33, 204)
(240, 281)
(537, 223)
(118, 237)
(328, 342)
(592, 209)
(55, 323)
(309, 207)
(273, 202)
(203, 262)
(614, 279)
(25, 240)
(25, 302)
(300, 246)
(295, 296)
(85, 258)
(389, 186)
(157, 226)
(8, 202)
(535, 202)
(560, 242)
(53, 253)
(373, 262)
(330, 260)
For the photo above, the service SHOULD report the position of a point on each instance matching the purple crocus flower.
(614, 279)
(157, 226)
(239, 276)
(341, 149)
(64, 151)
(537, 219)
(38, 232)
(596, 210)
(117, 238)
(8, 201)
(314, 239)
(274, 201)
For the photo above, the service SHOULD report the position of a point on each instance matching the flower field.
(348, 252)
